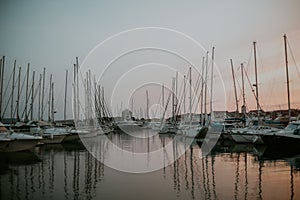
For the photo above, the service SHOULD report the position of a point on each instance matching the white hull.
(247, 138)
(88, 134)
(53, 139)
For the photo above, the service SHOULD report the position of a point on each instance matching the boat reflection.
(229, 171)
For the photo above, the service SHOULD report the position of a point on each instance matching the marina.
(144, 100)
(231, 171)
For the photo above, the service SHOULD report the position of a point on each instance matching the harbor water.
(229, 171)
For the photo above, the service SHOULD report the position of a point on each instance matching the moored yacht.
(10, 141)
(289, 135)
(54, 135)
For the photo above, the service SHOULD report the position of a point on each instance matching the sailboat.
(290, 134)
(10, 141)
(189, 127)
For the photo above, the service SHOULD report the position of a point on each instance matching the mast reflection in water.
(230, 171)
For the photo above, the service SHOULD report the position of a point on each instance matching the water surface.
(230, 171)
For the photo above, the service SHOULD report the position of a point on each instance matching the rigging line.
(180, 100)
(156, 109)
(46, 102)
(250, 57)
(291, 52)
(4, 94)
(238, 83)
(196, 97)
(7, 103)
(21, 89)
(34, 96)
(165, 110)
(27, 99)
(251, 88)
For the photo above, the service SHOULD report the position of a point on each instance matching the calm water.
(231, 171)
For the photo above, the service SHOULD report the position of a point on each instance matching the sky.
(52, 33)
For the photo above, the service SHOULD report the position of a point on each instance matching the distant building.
(126, 114)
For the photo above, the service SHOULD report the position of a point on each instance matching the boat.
(54, 135)
(11, 141)
(168, 128)
(252, 134)
(192, 130)
(290, 135)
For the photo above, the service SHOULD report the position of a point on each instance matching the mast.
(1, 89)
(190, 82)
(18, 97)
(184, 86)
(243, 91)
(163, 96)
(65, 105)
(202, 84)
(32, 96)
(43, 93)
(103, 103)
(74, 93)
(132, 106)
(77, 88)
(205, 92)
(49, 99)
(52, 103)
(256, 82)
(86, 98)
(26, 94)
(173, 99)
(234, 85)
(40, 85)
(147, 104)
(287, 76)
(176, 92)
(12, 93)
(212, 81)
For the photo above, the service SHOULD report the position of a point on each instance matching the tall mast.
(103, 102)
(190, 83)
(212, 81)
(86, 97)
(234, 85)
(163, 97)
(74, 93)
(243, 91)
(132, 106)
(26, 94)
(65, 106)
(173, 99)
(176, 91)
(12, 93)
(77, 88)
(256, 82)
(32, 96)
(1, 89)
(205, 92)
(184, 86)
(40, 85)
(147, 104)
(52, 103)
(287, 76)
(202, 85)
(49, 99)
(43, 93)
(19, 93)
